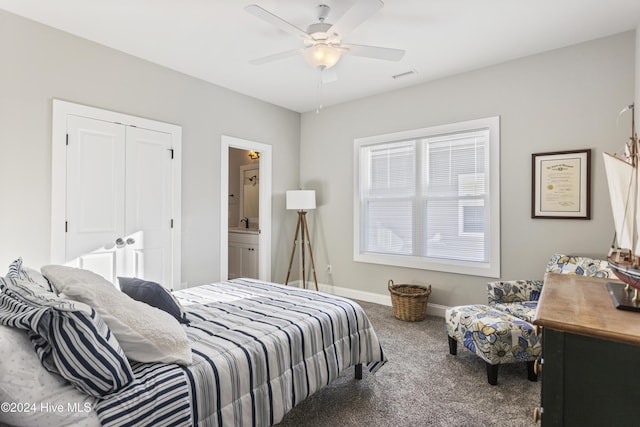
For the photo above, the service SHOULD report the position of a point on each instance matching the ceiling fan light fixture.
(322, 56)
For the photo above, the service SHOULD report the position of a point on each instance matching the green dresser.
(590, 355)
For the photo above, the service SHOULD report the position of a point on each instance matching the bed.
(255, 350)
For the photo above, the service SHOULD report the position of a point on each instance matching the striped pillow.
(84, 351)
(34, 294)
(15, 269)
(70, 340)
(18, 271)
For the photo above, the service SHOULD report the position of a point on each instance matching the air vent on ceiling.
(405, 74)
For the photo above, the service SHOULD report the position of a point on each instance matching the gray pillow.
(145, 333)
(153, 294)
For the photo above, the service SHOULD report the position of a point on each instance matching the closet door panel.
(94, 194)
(148, 204)
(115, 194)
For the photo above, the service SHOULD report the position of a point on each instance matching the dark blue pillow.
(153, 294)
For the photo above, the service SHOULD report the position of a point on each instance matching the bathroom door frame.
(264, 201)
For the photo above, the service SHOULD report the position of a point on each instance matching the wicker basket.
(409, 301)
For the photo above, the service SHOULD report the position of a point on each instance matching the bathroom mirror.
(249, 196)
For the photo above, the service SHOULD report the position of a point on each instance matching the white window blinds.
(427, 201)
(390, 188)
(454, 196)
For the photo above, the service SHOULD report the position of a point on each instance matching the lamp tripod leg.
(303, 217)
(293, 250)
(313, 266)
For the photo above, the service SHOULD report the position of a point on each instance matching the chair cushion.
(523, 310)
(493, 335)
(513, 291)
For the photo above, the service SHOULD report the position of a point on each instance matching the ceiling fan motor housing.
(318, 32)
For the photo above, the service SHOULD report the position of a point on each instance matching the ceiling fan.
(323, 44)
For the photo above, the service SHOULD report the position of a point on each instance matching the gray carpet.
(421, 385)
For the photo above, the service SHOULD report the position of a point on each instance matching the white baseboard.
(432, 309)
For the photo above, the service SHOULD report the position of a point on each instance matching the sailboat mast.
(634, 163)
(634, 137)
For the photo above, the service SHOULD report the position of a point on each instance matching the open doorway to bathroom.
(245, 211)
(244, 190)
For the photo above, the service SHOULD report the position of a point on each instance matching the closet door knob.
(131, 241)
(120, 243)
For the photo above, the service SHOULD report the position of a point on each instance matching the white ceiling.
(215, 39)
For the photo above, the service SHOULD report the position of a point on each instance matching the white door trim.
(60, 111)
(265, 183)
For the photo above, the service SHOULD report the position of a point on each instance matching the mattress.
(258, 350)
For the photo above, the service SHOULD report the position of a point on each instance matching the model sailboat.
(624, 255)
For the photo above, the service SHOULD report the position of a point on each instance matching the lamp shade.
(301, 200)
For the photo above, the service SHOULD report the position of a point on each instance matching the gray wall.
(38, 63)
(560, 100)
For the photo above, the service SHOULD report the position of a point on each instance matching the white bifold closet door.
(118, 200)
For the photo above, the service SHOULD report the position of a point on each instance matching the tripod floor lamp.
(302, 201)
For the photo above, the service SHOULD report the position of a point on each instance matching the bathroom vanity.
(243, 252)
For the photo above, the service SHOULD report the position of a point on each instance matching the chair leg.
(492, 373)
(531, 371)
(453, 346)
(359, 371)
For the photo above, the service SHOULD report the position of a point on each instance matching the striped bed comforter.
(258, 350)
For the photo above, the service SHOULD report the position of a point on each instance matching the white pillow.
(145, 333)
(26, 381)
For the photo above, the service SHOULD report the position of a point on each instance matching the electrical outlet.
(329, 268)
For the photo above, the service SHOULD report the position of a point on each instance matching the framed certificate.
(561, 185)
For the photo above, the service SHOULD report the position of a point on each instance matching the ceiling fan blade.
(355, 16)
(386, 53)
(276, 57)
(275, 20)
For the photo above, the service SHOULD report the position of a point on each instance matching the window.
(429, 198)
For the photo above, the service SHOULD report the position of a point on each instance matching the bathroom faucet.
(246, 222)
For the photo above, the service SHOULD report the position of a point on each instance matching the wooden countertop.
(582, 305)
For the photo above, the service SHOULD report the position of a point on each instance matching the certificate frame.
(561, 184)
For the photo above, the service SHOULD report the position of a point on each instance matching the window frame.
(491, 268)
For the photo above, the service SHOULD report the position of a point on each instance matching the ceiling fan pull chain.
(319, 107)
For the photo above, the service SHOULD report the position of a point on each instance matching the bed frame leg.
(359, 371)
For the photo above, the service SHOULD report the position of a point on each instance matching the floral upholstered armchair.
(502, 331)
(520, 297)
